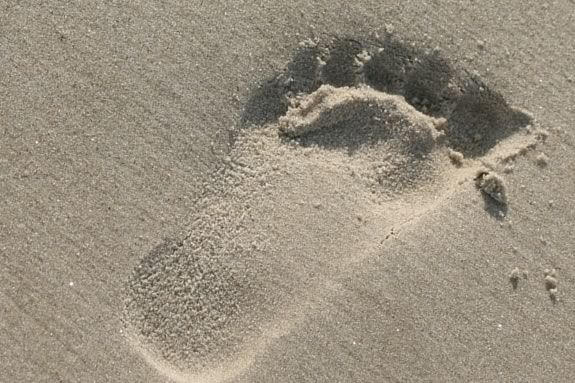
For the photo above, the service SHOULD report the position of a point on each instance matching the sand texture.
(299, 192)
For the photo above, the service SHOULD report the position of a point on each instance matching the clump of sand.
(542, 160)
(491, 184)
(360, 108)
(515, 275)
(455, 157)
(551, 283)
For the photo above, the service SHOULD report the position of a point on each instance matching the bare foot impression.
(354, 140)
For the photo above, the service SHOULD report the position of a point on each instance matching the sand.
(264, 192)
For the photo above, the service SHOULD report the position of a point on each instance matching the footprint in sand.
(352, 141)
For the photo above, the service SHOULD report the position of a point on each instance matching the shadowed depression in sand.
(363, 137)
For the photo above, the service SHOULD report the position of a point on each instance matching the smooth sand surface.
(287, 192)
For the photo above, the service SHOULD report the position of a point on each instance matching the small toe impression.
(340, 68)
(387, 69)
(427, 85)
(269, 100)
(480, 119)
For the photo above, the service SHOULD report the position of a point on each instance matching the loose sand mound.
(388, 142)
(351, 143)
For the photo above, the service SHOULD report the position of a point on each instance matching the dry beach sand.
(303, 192)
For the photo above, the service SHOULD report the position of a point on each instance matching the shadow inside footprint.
(427, 84)
(340, 68)
(269, 100)
(387, 70)
(480, 119)
(423, 76)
